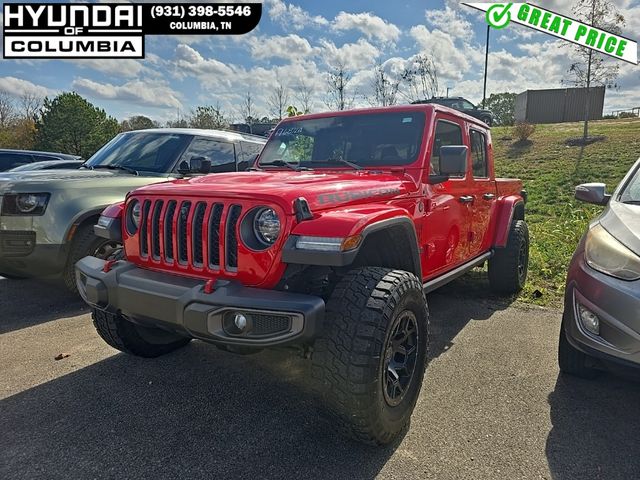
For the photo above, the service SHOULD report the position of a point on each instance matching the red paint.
(209, 287)
(113, 211)
(108, 265)
(449, 232)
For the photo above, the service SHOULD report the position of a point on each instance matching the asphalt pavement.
(493, 404)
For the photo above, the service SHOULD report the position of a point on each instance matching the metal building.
(558, 105)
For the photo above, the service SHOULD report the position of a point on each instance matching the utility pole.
(486, 63)
(448, 88)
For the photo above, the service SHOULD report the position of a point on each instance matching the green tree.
(71, 124)
(208, 117)
(503, 106)
(138, 122)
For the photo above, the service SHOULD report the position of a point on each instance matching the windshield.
(140, 151)
(631, 193)
(367, 140)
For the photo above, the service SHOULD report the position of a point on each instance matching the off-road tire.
(509, 266)
(348, 358)
(572, 361)
(134, 339)
(487, 120)
(85, 243)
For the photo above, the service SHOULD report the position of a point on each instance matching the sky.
(297, 42)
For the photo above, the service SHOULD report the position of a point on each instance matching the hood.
(321, 189)
(623, 222)
(48, 180)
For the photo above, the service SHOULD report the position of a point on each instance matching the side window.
(467, 105)
(249, 152)
(479, 154)
(447, 133)
(12, 160)
(44, 158)
(220, 153)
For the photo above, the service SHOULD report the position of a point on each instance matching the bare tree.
(304, 96)
(7, 109)
(339, 96)
(421, 78)
(247, 109)
(385, 88)
(30, 105)
(593, 68)
(278, 101)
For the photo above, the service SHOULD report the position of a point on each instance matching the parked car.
(463, 105)
(327, 248)
(47, 218)
(49, 165)
(601, 318)
(10, 159)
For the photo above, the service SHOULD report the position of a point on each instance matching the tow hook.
(209, 287)
(108, 265)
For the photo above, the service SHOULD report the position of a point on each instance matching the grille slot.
(196, 235)
(264, 324)
(144, 230)
(232, 237)
(183, 217)
(155, 229)
(214, 235)
(168, 230)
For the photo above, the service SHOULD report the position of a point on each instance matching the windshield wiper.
(355, 166)
(631, 202)
(282, 163)
(124, 168)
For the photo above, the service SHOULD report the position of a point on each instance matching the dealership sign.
(73, 30)
(499, 15)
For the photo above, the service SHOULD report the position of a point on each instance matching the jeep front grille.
(202, 235)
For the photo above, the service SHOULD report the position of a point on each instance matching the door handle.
(488, 196)
(466, 199)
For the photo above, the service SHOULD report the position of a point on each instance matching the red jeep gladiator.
(328, 246)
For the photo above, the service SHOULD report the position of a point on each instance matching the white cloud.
(139, 92)
(190, 60)
(452, 62)
(353, 56)
(293, 16)
(122, 67)
(372, 26)
(18, 87)
(451, 21)
(290, 47)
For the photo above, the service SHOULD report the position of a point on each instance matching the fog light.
(240, 321)
(589, 320)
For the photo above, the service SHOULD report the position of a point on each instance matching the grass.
(550, 171)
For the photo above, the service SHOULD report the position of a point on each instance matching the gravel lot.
(492, 405)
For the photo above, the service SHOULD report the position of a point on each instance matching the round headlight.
(134, 214)
(27, 203)
(267, 226)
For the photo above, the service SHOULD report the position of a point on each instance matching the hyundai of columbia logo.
(73, 31)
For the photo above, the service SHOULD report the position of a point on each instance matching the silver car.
(602, 299)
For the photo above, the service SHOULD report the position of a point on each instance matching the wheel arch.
(511, 209)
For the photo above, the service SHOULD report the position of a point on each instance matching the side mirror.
(595, 193)
(453, 160)
(195, 165)
(200, 165)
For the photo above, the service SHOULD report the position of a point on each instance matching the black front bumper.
(180, 304)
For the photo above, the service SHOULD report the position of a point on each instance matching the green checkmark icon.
(498, 15)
